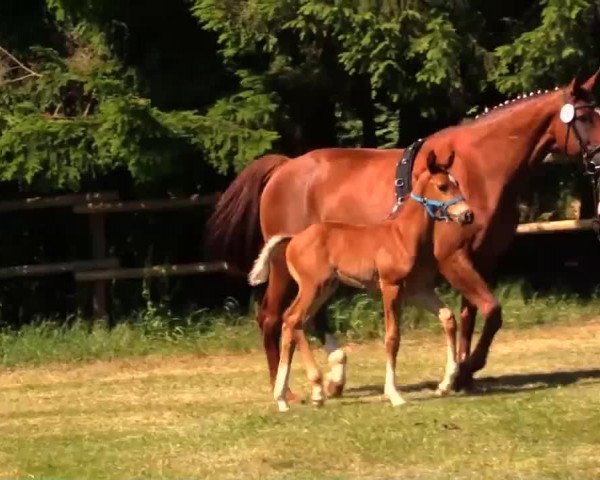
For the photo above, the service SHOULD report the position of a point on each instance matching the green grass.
(157, 332)
(213, 417)
(360, 316)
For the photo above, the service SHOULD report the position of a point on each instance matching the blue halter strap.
(436, 209)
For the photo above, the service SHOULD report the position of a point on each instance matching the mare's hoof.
(464, 379)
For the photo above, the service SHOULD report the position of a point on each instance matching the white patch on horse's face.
(453, 180)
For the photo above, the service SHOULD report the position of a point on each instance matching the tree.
(74, 110)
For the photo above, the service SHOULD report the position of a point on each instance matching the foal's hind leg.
(390, 295)
(303, 306)
(269, 316)
(335, 379)
(428, 300)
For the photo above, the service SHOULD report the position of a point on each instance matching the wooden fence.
(101, 269)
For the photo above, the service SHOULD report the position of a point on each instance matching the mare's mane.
(489, 113)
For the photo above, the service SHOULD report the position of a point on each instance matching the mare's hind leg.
(428, 300)
(390, 295)
(335, 379)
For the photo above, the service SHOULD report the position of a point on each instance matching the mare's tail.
(233, 230)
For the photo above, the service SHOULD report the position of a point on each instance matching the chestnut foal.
(365, 257)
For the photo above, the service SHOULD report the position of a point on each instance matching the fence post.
(98, 231)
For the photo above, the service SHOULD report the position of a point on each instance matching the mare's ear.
(449, 161)
(431, 159)
(574, 87)
(590, 82)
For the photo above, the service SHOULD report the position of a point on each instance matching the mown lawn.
(536, 416)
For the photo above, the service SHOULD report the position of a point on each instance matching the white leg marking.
(445, 315)
(317, 397)
(450, 373)
(390, 385)
(281, 383)
(336, 377)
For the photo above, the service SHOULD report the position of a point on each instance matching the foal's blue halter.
(436, 209)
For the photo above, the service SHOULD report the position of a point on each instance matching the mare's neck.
(499, 150)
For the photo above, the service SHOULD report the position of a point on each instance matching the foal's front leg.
(390, 294)
(429, 300)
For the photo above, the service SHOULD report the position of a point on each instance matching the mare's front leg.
(390, 294)
(429, 300)
(459, 271)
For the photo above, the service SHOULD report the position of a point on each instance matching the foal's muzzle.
(466, 217)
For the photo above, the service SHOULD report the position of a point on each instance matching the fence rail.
(41, 270)
(153, 271)
(101, 269)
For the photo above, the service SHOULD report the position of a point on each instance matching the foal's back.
(353, 253)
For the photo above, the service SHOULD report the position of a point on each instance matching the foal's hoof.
(333, 389)
(397, 401)
(441, 391)
(282, 406)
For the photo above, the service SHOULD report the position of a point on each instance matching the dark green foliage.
(152, 97)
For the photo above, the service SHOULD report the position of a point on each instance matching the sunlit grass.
(213, 417)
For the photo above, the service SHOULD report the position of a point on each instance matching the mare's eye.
(443, 187)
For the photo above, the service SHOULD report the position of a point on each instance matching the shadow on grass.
(503, 384)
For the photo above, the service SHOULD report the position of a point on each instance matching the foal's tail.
(260, 271)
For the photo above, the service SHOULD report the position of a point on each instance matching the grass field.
(536, 416)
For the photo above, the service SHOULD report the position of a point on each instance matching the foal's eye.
(443, 187)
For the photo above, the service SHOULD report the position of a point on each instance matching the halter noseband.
(436, 209)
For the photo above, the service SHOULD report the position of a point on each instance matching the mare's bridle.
(568, 115)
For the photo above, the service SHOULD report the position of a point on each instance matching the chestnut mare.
(381, 255)
(496, 153)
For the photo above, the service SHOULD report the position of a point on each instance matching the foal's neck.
(411, 226)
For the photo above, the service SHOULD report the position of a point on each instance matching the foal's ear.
(449, 161)
(431, 165)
